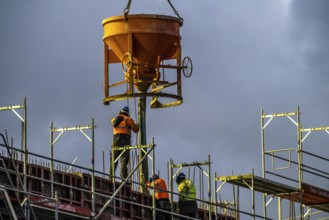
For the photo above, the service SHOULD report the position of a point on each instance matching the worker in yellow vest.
(187, 204)
(123, 124)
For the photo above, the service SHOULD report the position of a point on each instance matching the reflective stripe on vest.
(186, 191)
(123, 127)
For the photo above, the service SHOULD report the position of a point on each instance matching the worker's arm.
(133, 126)
(149, 184)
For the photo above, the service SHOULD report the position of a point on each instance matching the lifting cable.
(176, 12)
(134, 155)
(135, 109)
(128, 104)
(126, 10)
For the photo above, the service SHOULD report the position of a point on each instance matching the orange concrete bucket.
(148, 38)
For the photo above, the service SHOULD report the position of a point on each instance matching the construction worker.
(187, 204)
(122, 126)
(161, 196)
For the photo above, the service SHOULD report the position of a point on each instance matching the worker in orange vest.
(123, 124)
(161, 196)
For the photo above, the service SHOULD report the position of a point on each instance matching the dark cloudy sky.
(247, 55)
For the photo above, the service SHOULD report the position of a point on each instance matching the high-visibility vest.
(159, 187)
(125, 125)
(186, 190)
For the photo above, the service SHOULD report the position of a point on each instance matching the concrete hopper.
(146, 37)
(141, 43)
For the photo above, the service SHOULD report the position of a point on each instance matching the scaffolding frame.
(55, 200)
(179, 167)
(304, 168)
(308, 196)
(114, 148)
(149, 148)
(39, 178)
(224, 205)
(256, 184)
(23, 119)
(294, 117)
(91, 139)
(143, 148)
(42, 200)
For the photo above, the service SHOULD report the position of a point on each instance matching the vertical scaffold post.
(263, 159)
(253, 195)
(143, 170)
(171, 185)
(153, 172)
(209, 186)
(300, 162)
(51, 160)
(56, 206)
(93, 167)
(215, 191)
(24, 122)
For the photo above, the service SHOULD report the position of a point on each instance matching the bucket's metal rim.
(140, 16)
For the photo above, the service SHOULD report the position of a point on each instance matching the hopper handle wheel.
(126, 63)
(187, 67)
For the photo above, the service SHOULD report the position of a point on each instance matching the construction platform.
(309, 195)
(73, 195)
